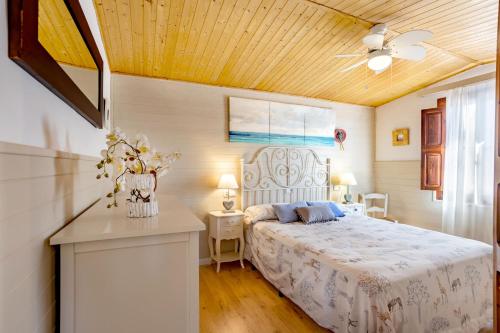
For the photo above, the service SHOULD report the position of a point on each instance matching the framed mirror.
(52, 41)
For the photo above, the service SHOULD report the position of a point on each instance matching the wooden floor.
(240, 300)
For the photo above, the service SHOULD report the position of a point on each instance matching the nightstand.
(226, 226)
(353, 208)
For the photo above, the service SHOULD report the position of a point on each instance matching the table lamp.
(227, 182)
(347, 179)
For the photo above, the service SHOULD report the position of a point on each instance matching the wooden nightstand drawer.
(231, 221)
(230, 232)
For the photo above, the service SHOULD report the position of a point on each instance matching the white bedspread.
(366, 275)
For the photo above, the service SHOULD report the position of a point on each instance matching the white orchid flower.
(118, 167)
(142, 143)
(157, 159)
(115, 136)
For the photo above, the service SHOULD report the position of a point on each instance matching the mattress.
(361, 274)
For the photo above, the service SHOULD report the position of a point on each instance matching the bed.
(361, 274)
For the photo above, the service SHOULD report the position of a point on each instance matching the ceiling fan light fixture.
(379, 60)
(380, 52)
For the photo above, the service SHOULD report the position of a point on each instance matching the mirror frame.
(27, 52)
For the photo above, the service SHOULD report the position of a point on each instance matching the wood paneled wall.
(407, 203)
(40, 190)
(193, 118)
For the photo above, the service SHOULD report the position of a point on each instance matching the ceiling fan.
(379, 56)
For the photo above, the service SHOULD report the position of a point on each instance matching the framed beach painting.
(265, 122)
(286, 124)
(319, 127)
(248, 120)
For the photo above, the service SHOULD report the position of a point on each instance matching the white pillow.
(258, 213)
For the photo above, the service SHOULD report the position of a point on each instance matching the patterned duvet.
(361, 274)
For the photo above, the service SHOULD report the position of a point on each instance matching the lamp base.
(348, 198)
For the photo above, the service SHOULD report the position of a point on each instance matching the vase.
(142, 201)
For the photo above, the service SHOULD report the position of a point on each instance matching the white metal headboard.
(284, 174)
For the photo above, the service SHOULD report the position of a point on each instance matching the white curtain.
(468, 168)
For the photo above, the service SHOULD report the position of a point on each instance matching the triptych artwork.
(273, 123)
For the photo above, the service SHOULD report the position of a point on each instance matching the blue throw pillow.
(286, 212)
(335, 209)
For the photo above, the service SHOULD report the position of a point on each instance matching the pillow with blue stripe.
(333, 207)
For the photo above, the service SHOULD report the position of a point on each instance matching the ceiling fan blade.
(374, 41)
(410, 38)
(354, 66)
(349, 55)
(409, 52)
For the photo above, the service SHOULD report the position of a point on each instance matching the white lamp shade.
(348, 179)
(227, 181)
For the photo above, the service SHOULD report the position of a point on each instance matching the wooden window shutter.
(433, 148)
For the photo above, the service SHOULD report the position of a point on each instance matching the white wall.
(397, 168)
(193, 119)
(41, 185)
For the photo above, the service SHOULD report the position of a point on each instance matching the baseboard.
(205, 261)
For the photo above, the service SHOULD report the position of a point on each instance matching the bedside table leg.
(217, 249)
(211, 246)
(242, 248)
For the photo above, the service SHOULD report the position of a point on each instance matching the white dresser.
(121, 275)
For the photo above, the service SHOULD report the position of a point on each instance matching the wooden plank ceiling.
(58, 34)
(289, 46)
